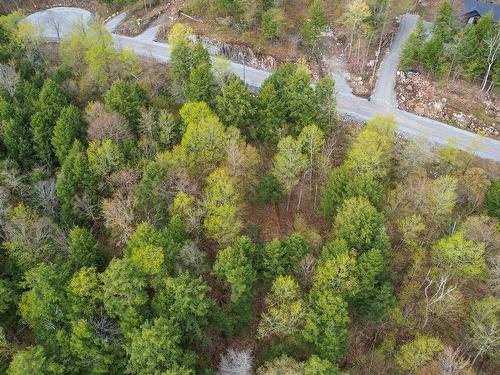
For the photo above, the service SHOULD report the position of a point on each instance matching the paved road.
(384, 92)
(348, 104)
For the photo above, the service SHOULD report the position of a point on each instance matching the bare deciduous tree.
(118, 217)
(104, 125)
(8, 79)
(435, 292)
(236, 362)
(45, 198)
(451, 362)
(493, 48)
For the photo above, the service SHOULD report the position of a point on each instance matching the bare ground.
(458, 103)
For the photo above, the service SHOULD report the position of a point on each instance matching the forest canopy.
(169, 220)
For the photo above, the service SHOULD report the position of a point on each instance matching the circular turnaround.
(56, 22)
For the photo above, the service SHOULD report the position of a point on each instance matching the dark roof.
(481, 8)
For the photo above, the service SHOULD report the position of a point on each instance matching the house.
(472, 10)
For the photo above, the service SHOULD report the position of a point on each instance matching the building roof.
(482, 8)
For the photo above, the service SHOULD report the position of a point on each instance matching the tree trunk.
(367, 50)
(351, 40)
(485, 80)
(378, 55)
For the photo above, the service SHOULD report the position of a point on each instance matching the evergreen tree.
(412, 49)
(222, 222)
(41, 133)
(234, 267)
(279, 258)
(128, 99)
(155, 349)
(235, 105)
(85, 251)
(433, 54)
(75, 181)
(360, 225)
(446, 23)
(472, 53)
(326, 325)
(184, 300)
(32, 360)
(200, 86)
(124, 291)
(70, 126)
(271, 23)
(315, 23)
(492, 202)
(271, 114)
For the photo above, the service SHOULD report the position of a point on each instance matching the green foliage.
(492, 202)
(201, 85)
(202, 146)
(149, 259)
(92, 353)
(272, 20)
(234, 267)
(7, 295)
(184, 300)
(32, 239)
(167, 239)
(483, 326)
(343, 184)
(360, 225)
(269, 190)
(43, 306)
(326, 324)
(315, 23)
(460, 257)
(70, 126)
(32, 361)
(318, 366)
(325, 97)
(104, 158)
(412, 48)
(433, 54)
(472, 51)
(124, 291)
(417, 353)
(337, 275)
(372, 151)
(85, 251)
(235, 105)
(222, 222)
(285, 313)
(289, 162)
(155, 349)
(41, 131)
(149, 200)
(128, 99)
(445, 23)
(280, 257)
(85, 292)
(271, 114)
(376, 296)
(76, 180)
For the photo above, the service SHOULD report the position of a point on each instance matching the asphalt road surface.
(348, 104)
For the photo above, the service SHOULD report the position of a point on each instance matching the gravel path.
(384, 92)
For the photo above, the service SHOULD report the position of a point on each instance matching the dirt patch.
(140, 18)
(457, 103)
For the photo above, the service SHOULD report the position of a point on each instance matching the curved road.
(384, 97)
